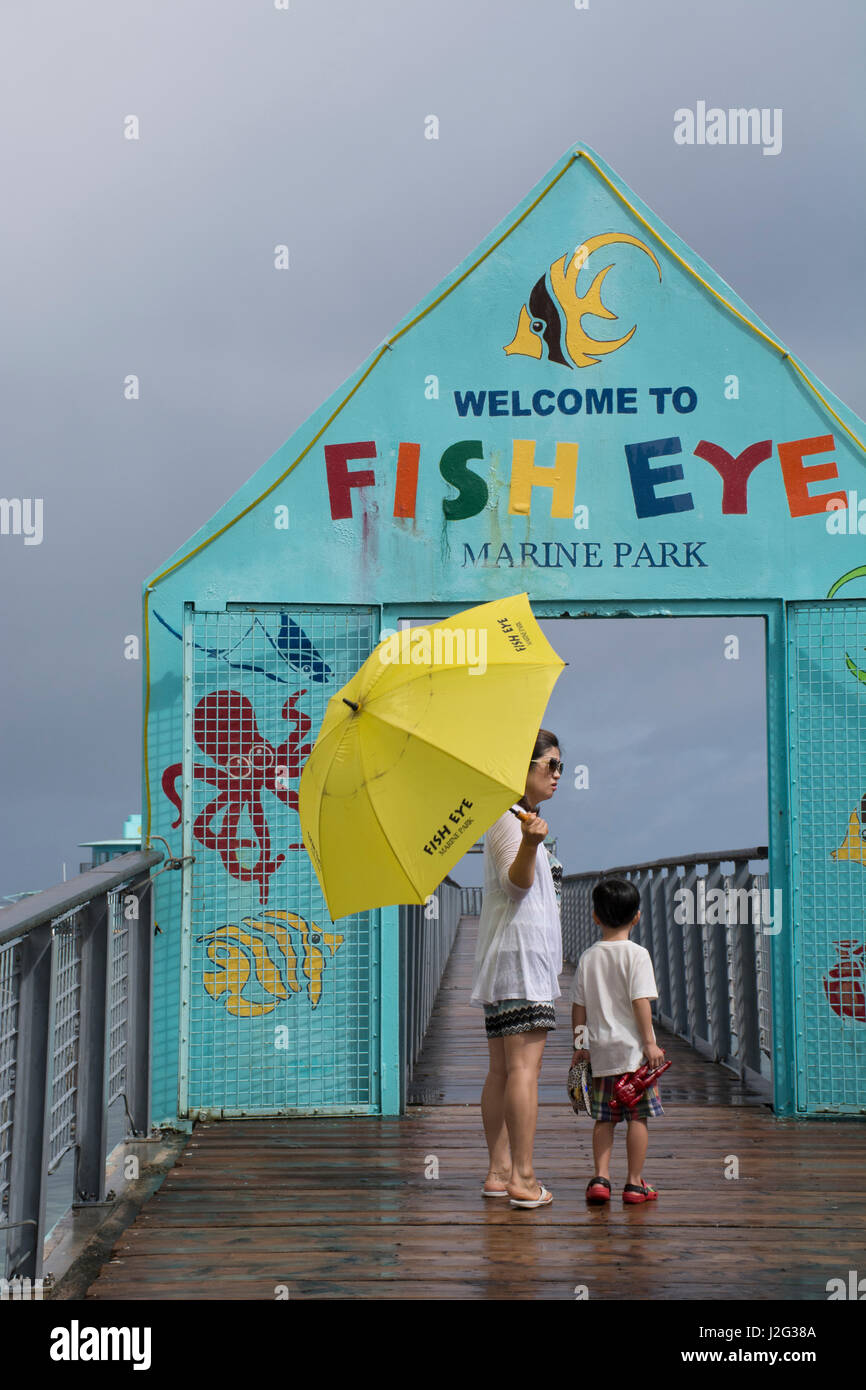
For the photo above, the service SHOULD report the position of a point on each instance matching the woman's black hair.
(616, 900)
(546, 739)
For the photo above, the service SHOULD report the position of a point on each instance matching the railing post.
(30, 1129)
(139, 1005)
(650, 932)
(404, 1010)
(661, 940)
(745, 972)
(718, 1005)
(90, 1110)
(412, 988)
(676, 954)
(638, 936)
(696, 986)
(585, 926)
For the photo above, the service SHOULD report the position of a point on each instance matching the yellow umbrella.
(421, 751)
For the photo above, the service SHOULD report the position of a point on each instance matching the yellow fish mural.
(236, 950)
(854, 844)
(540, 322)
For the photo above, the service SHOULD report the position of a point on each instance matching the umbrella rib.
(372, 804)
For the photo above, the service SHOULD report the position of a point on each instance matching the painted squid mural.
(243, 766)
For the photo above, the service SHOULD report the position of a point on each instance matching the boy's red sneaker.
(598, 1190)
(643, 1193)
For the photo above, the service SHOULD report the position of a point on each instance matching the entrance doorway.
(671, 722)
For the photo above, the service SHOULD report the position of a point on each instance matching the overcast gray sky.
(667, 735)
(305, 126)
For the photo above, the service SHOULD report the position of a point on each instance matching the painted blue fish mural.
(291, 648)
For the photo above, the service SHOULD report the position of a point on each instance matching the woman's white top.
(519, 950)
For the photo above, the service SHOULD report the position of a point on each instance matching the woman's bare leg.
(523, 1054)
(493, 1116)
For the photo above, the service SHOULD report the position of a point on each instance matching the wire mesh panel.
(764, 978)
(118, 996)
(827, 704)
(280, 1006)
(65, 1026)
(9, 982)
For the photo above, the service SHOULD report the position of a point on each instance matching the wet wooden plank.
(435, 1290)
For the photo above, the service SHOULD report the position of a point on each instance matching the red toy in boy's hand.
(629, 1088)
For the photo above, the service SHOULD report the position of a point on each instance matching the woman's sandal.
(644, 1193)
(598, 1190)
(543, 1201)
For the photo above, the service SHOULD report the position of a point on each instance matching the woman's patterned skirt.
(518, 1016)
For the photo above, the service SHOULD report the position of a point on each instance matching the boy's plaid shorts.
(602, 1093)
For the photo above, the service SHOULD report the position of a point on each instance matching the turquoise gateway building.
(583, 411)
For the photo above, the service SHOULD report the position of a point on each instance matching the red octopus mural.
(225, 729)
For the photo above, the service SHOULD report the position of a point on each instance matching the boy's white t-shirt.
(609, 975)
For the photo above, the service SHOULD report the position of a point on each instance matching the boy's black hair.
(616, 900)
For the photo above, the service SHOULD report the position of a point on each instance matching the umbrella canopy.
(421, 751)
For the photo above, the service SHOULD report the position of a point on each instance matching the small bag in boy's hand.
(630, 1087)
(580, 1088)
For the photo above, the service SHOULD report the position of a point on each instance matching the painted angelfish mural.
(541, 318)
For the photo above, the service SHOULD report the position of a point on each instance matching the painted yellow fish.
(854, 844)
(540, 322)
(235, 950)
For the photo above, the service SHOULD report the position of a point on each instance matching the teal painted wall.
(693, 463)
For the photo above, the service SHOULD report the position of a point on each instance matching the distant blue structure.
(103, 850)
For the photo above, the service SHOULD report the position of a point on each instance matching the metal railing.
(713, 976)
(75, 996)
(427, 935)
(471, 902)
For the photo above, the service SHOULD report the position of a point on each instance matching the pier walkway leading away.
(349, 1208)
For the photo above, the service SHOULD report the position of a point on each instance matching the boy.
(613, 985)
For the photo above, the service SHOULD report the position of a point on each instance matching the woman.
(518, 960)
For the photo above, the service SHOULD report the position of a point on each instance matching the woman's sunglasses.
(552, 764)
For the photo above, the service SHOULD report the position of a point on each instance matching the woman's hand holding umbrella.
(533, 828)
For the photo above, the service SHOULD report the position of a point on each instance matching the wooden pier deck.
(344, 1208)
